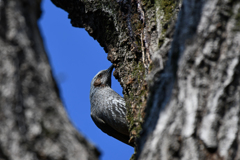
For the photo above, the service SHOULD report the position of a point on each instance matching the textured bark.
(199, 114)
(34, 124)
(190, 62)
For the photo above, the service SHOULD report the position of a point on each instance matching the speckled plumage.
(108, 109)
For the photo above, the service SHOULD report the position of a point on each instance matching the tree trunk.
(199, 114)
(34, 124)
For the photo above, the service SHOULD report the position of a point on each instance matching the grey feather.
(108, 109)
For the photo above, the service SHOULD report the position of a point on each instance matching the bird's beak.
(109, 70)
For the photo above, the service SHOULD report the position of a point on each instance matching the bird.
(108, 108)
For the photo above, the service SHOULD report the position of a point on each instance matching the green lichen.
(165, 11)
(136, 99)
(147, 4)
(168, 7)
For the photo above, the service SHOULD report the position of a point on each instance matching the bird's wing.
(116, 112)
(110, 131)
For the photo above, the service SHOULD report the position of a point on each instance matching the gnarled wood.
(34, 124)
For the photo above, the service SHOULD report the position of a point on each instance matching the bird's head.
(102, 78)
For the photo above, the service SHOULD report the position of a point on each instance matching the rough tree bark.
(34, 124)
(199, 114)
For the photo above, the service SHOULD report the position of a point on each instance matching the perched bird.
(108, 109)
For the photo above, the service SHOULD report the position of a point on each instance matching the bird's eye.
(100, 75)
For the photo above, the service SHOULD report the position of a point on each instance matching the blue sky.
(75, 58)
